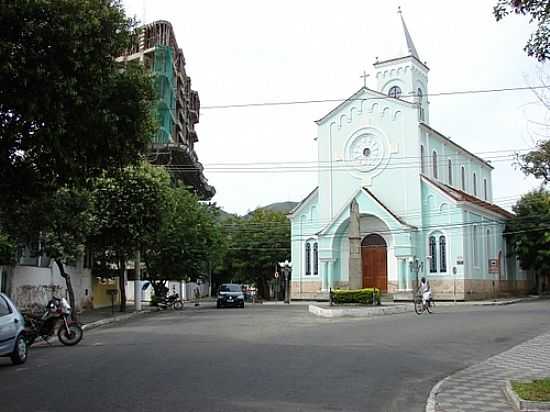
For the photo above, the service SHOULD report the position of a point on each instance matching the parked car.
(12, 339)
(230, 294)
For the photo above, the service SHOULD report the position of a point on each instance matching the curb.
(359, 312)
(108, 321)
(430, 402)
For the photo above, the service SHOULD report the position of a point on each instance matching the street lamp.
(286, 267)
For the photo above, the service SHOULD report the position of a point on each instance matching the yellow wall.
(100, 287)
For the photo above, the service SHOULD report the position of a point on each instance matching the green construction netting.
(165, 85)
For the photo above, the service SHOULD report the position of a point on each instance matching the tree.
(188, 242)
(256, 244)
(539, 12)
(128, 208)
(67, 110)
(7, 250)
(529, 233)
(69, 224)
(537, 162)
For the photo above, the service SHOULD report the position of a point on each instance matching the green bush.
(362, 296)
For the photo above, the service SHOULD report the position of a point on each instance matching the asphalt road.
(264, 358)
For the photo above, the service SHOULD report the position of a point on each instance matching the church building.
(398, 200)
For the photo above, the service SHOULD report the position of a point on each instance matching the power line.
(311, 101)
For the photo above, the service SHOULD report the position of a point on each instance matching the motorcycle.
(56, 318)
(171, 302)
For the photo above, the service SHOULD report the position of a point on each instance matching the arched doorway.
(374, 262)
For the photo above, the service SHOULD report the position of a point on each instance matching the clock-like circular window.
(366, 151)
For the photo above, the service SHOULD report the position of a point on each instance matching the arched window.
(395, 92)
(463, 178)
(450, 164)
(433, 255)
(434, 164)
(485, 194)
(475, 185)
(315, 259)
(308, 259)
(422, 168)
(442, 254)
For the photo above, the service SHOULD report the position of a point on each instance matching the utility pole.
(137, 281)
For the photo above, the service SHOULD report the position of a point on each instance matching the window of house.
(488, 248)
(450, 165)
(315, 259)
(485, 195)
(308, 259)
(476, 252)
(475, 185)
(420, 107)
(395, 92)
(422, 168)
(463, 178)
(434, 164)
(442, 254)
(433, 255)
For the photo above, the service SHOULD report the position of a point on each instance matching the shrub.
(363, 296)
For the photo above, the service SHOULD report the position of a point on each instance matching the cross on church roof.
(364, 77)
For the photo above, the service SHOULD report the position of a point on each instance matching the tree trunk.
(159, 287)
(70, 290)
(122, 284)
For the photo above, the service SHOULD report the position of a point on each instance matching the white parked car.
(12, 325)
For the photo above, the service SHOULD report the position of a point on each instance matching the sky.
(250, 51)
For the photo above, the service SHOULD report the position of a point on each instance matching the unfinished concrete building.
(177, 107)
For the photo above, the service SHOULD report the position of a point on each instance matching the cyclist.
(426, 291)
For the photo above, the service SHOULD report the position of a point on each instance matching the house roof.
(461, 196)
(299, 205)
(399, 219)
(431, 129)
(354, 96)
(378, 202)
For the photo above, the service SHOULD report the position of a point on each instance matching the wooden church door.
(375, 262)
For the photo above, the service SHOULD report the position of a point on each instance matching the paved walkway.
(479, 388)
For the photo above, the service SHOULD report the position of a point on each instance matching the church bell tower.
(405, 76)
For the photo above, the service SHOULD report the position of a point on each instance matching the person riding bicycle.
(426, 290)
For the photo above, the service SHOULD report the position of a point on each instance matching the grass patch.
(537, 390)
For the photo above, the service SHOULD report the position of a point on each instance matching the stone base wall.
(476, 289)
(306, 290)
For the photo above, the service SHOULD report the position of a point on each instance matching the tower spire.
(408, 38)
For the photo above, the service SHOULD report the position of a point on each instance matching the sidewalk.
(479, 388)
(104, 316)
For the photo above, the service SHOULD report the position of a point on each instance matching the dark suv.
(230, 294)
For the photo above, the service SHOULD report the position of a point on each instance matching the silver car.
(12, 339)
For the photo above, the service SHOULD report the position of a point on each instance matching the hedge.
(363, 296)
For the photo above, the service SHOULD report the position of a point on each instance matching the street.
(265, 358)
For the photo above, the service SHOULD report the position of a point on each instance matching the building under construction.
(177, 107)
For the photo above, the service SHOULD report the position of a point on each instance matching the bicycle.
(419, 306)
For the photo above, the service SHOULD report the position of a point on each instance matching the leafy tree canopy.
(256, 244)
(128, 207)
(67, 110)
(529, 231)
(538, 11)
(537, 162)
(189, 240)
(7, 250)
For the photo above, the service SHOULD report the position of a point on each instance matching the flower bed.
(358, 296)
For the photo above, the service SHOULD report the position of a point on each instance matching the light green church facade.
(425, 203)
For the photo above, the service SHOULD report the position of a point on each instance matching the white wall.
(33, 285)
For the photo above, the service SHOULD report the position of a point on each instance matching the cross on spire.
(364, 77)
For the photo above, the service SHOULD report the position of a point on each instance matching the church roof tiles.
(461, 196)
